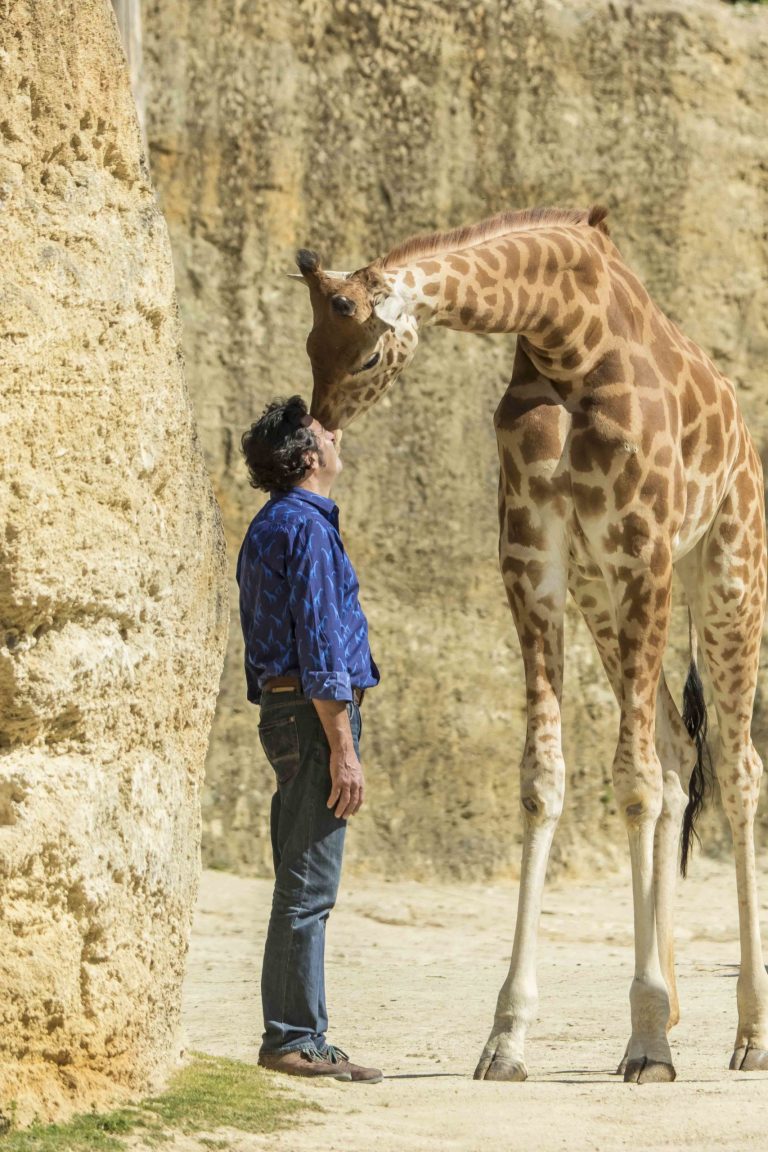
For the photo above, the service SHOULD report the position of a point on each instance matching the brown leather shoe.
(302, 1062)
(357, 1072)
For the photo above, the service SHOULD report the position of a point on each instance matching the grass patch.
(216, 1093)
(208, 1094)
(83, 1134)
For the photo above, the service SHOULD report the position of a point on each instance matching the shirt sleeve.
(315, 573)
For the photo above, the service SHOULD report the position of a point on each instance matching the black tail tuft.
(695, 720)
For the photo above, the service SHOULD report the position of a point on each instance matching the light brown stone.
(112, 606)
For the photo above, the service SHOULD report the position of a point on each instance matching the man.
(308, 663)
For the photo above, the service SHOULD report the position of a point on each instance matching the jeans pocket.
(280, 741)
(355, 720)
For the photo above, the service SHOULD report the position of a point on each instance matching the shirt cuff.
(327, 686)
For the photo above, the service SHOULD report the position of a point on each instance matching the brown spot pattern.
(621, 449)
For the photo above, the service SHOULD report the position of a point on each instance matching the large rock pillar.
(112, 600)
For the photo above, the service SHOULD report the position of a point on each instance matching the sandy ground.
(413, 972)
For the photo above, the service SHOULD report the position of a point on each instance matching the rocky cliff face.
(347, 126)
(112, 599)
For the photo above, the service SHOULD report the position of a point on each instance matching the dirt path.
(413, 974)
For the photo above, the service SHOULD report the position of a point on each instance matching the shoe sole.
(345, 1076)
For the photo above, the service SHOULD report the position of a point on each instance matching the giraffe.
(623, 455)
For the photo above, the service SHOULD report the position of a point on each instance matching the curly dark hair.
(277, 445)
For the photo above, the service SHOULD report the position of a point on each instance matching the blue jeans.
(307, 848)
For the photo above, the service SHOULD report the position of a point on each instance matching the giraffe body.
(623, 455)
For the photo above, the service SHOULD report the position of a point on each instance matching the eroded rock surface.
(112, 606)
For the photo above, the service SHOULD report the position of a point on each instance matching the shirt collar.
(324, 504)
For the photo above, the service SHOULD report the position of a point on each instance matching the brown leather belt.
(293, 684)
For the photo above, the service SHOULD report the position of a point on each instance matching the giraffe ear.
(390, 310)
(333, 275)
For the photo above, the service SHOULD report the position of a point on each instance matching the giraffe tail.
(695, 720)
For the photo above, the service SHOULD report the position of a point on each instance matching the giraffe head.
(362, 337)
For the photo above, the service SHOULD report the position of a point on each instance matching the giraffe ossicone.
(623, 456)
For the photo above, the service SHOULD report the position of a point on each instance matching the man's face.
(329, 465)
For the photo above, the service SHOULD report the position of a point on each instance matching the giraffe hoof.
(748, 1059)
(623, 1062)
(497, 1069)
(645, 1071)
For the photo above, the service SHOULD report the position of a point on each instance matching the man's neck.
(313, 484)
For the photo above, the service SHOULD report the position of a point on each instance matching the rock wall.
(346, 126)
(112, 589)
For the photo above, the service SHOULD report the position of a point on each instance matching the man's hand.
(347, 783)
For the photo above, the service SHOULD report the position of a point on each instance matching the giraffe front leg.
(542, 785)
(542, 789)
(503, 1057)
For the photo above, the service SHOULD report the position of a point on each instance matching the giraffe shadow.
(426, 1075)
(731, 971)
(562, 1076)
(578, 1077)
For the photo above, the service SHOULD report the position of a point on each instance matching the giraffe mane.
(434, 243)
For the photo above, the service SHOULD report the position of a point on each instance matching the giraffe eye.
(371, 363)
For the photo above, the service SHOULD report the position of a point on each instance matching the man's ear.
(311, 462)
(390, 309)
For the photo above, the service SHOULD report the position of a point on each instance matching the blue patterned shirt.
(298, 601)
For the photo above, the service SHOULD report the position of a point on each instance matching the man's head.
(285, 448)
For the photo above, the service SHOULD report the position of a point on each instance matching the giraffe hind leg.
(725, 582)
(675, 752)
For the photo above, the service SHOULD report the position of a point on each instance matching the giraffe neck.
(543, 284)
